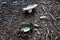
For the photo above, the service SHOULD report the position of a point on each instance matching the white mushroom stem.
(30, 11)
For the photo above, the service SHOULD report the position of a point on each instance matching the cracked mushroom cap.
(29, 7)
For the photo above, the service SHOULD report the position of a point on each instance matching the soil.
(12, 17)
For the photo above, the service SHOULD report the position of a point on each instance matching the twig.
(47, 34)
(52, 17)
(10, 21)
(51, 36)
(58, 18)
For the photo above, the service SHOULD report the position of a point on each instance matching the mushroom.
(30, 7)
(43, 17)
(25, 29)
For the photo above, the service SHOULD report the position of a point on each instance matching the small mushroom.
(43, 17)
(30, 7)
(25, 29)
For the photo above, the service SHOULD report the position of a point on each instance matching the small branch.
(10, 21)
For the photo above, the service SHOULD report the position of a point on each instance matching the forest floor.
(12, 17)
